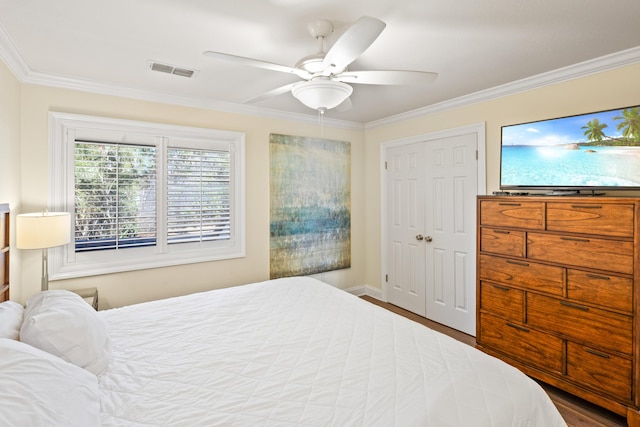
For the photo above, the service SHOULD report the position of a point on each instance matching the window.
(144, 195)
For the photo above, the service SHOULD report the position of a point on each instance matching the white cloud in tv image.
(591, 151)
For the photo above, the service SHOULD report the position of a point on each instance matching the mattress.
(299, 352)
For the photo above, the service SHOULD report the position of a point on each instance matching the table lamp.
(43, 230)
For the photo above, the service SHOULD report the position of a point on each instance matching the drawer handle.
(510, 204)
(518, 327)
(574, 239)
(597, 276)
(501, 231)
(524, 264)
(502, 288)
(586, 206)
(597, 353)
(572, 305)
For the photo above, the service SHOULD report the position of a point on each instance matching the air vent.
(171, 69)
(183, 72)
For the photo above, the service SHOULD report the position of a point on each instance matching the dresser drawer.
(504, 242)
(521, 343)
(590, 252)
(601, 371)
(591, 218)
(512, 214)
(606, 330)
(523, 273)
(503, 301)
(601, 289)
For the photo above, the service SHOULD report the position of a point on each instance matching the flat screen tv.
(585, 153)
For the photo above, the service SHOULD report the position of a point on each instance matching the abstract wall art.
(310, 205)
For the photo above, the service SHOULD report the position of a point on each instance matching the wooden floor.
(576, 412)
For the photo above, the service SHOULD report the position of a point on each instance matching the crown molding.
(144, 95)
(10, 56)
(207, 104)
(571, 72)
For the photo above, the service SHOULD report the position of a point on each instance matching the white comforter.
(298, 352)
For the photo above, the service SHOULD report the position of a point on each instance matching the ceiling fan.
(325, 74)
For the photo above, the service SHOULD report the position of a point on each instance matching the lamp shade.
(321, 94)
(43, 230)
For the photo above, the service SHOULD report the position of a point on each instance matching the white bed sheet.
(298, 352)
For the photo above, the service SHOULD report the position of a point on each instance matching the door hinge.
(476, 154)
(386, 278)
(385, 165)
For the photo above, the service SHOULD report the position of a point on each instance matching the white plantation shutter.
(198, 195)
(115, 189)
(145, 195)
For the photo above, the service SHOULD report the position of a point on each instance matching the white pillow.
(63, 324)
(39, 389)
(10, 319)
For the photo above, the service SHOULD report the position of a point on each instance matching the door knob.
(428, 239)
(419, 237)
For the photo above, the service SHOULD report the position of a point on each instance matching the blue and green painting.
(310, 205)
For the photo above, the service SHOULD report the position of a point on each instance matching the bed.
(285, 352)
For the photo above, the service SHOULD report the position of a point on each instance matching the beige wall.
(10, 157)
(600, 91)
(130, 287)
(611, 89)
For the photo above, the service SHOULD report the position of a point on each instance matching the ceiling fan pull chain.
(321, 112)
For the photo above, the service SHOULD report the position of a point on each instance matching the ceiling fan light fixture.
(321, 94)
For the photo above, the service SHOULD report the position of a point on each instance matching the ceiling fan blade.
(274, 92)
(353, 43)
(409, 78)
(257, 63)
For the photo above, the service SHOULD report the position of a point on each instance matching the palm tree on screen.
(630, 123)
(594, 130)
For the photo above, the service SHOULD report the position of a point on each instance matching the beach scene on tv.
(590, 150)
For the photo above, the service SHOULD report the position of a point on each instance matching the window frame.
(65, 128)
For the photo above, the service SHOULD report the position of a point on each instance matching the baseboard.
(365, 290)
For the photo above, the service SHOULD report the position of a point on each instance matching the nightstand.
(90, 295)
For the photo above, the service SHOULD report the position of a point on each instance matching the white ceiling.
(474, 45)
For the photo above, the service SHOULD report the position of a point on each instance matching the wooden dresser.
(557, 289)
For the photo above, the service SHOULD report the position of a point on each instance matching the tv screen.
(594, 151)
